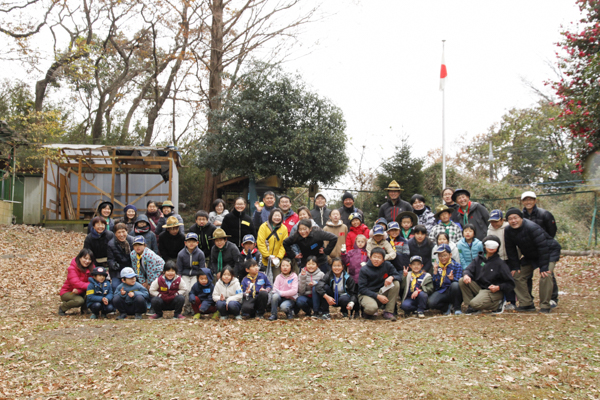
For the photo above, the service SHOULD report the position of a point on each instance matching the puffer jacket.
(99, 245)
(350, 287)
(272, 246)
(232, 291)
(353, 232)
(538, 248)
(426, 218)
(96, 291)
(310, 245)
(490, 271)
(543, 218)
(117, 257)
(478, 216)
(354, 260)
(189, 264)
(205, 233)
(320, 215)
(468, 253)
(76, 279)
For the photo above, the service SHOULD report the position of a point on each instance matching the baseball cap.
(495, 215)
(248, 238)
(191, 236)
(528, 194)
(139, 240)
(128, 272)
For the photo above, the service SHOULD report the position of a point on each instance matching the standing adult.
(394, 205)
(154, 215)
(168, 210)
(310, 243)
(237, 223)
(348, 208)
(104, 211)
(424, 214)
(219, 211)
(97, 241)
(261, 215)
(447, 196)
(290, 218)
(470, 212)
(271, 235)
(539, 250)
(320, 214)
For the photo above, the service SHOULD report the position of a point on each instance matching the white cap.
(528, 194)
(491, 244)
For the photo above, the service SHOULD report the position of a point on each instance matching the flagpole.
(443, 130)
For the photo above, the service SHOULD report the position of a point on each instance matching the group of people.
(229, 264)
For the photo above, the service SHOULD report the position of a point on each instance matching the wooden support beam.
(147, 192)
(112, 185)
(126, 187)
(101, 191)
(171, 179)
(45, 209)
(79, 189)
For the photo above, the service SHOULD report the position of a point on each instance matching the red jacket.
(353, 233)
(166, 293)
(76, 279)
(290, 221)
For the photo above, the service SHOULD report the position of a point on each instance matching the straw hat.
(219, 234)
(394, 186)
(167, 203)
(172, 222)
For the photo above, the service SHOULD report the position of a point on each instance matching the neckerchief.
(407, 233)
(466, 214)
(336, 281)
(413, 283)
(220, 260)
(253, 284)
(444, 269)
(139, 261)
(447, 227)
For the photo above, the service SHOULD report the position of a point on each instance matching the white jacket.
(183, 288)
(231, 291)
(500, 234)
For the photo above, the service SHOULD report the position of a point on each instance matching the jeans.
(305, 303)
(452, 295)
(342, 302)
(419, 304)
(283, 303)
(232, 309)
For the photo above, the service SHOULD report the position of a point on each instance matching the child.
(205, 231)
(223, 253)
(309, 277)
(256, 288)
(400, 245)
(146, 262)
(378, 240)
(378, 284)
(168, 292)
(469, 246)
(496, 228)
(219, 212)
(356, 228)
(72, 293)
(407, 221)
(130, 296)
(452, 229)
(339, 229)
(446, 273)
(417, 285)
(486, 279)
(189, 262)
(356, 258)
(168, 210)
(285, 291)
(201, 294)
(337, 289)
(249, 250)
(442, 238)
(171, 241)
(383, 222)
(99, 294)
(142, 228)
(420, 245)
(228, 294)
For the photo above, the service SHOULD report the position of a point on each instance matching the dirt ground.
(511, 356)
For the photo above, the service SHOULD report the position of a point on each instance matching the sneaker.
(509, 307)
(85, 310)
(553, 304)
(178, 316)
(290, 314)
(273, 317)
(472, 311)
(150, 311)
(389, 316)
(367, 316)
(457, 312)
(325, 317)
(61, 313)
(216, 315)
(449, 310)
(197, 316)
(122, 316)
(138, 316)
(500, 308)
(155, 316)
(545, 310)
(93, 316)
(420, 314)
(224, 318)
(238, 317)
(530, 308)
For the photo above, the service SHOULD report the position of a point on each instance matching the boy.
(417, 285)
(130, 296)
(378, 285)
(256, 288)
(400, 244)
(201, 294)
(99, 294)
(407, 219)
(378, 240)
(205, 231)
(496, 228)
(146, 262)
(171, 241)
(168, 292)
(446, 274)
(420, 245)
(249, 251)
(222, 254)
(443, 214)
(486, 279)
(189, 262)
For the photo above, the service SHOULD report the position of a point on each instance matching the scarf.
(465, 213)
(335, 285)
(413, 283)
(124, 245)
(420, 212)
(444, 268)
(141, 231)
(274, 229)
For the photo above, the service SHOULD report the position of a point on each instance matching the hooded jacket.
(98, 244)
(169, 245)
(231, 291)
(350, 287)
(539, 249)
(149, 236)
(372, 278)
(353, 232)
(468, 253)
(204, 234)
(274, 244)
(136, 288)
(304, 289)
(96, 291)
(354, 261)
(345, 214)
(340, 231)
(490, 271)
(203, 292)
(543, 218)
(390, 209)
(286, 286)
(500, 234)
(423, 250)
(76, 279)
(310, 245)
(478, 216)
(117, 257)
(238, 225)
(189, 264)
(231, 257)
(151, 265)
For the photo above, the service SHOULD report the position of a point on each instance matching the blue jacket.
(204, 293)
(96, 291)
(457, 271)
(469, 253)
(137, 288)
(261, 282)
(149, 236)
(189, 264)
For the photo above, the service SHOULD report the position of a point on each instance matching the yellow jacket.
(275, 246)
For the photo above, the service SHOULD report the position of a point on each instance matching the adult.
(154, 215)
(218, 212)
(129, 217)
(104, 211)
(168, 210)
(348, 208)
(539, 250)
(320, 213)
(261, 215)
(237, 223)
(119, 253)
(271, 235)
(171, 241)
(470, 212)
(394, 205)
(545, 219)
(290, 218)
(424, 214)
(73, 291)
(97, 241)
(310, 243)
(447, 197)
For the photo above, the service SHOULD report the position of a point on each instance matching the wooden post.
(45, 189)
(112, 186)
(79, 189)
(126, 186)
(171, 177)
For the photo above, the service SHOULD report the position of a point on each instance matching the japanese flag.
(443, 74)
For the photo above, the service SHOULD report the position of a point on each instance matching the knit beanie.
(513, 210)
(347, 195)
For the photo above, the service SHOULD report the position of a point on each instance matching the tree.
(272, 125)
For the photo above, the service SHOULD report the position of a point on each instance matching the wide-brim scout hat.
(442, 209)
(167, 203)
(412, 215)
(219, 234)
(172, 222)
(459, 192)
(394, 186)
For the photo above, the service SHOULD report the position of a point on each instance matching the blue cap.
(378, 230)
(382, 220)
(443, 247)
(495, 215)
(128, 273)
(393, 225)
(139, 240)
(416, 258)
(248, 238)
(191, 236)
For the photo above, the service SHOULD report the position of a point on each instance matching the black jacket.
(543, 218)
(310, 245)
(345, 213)
(169, 245)
(349, 285)
(423, 250)
(117, 258)
(371, 278)
(538, 248)
(238, 225)
(231, 257)
(320, 215)
(204, 234)
(390, 211)
(99, 246)
(490, 271)
(478, 216)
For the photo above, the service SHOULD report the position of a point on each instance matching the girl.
(304, 213)
(130, 217)
(356, 258)
(118, 254)
(356, 228)
(285, 291)
(237, 223)
(104, 211)
(442, 238)
(339, 229)
(308, 301)
(424, 214)
(219, 212)
(270, 242)
(97, 241)
(311, 243)
(228, 295)
(469, 246)
(73, 291)
(338, 289)
(154, 215)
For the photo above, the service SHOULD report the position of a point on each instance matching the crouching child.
(417, 285)
(378, 285)
(228, 295)
(99, 294)
(285, 291)
(130, 296)
(256, 288)
(201, 294)
(337, 289)
(168, 292)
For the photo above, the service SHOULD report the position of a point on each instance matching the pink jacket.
(76, 279)
(287, 286)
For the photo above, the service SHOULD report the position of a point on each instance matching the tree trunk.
(97, 126)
